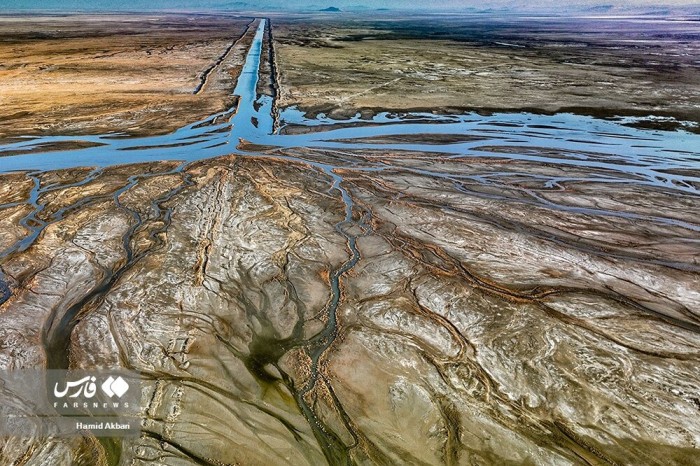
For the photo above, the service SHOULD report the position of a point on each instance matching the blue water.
(619, 153)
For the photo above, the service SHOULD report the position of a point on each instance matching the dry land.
(603, 68)
(475, 325)
(133, 74)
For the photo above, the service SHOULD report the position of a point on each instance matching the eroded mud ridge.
(290, 313)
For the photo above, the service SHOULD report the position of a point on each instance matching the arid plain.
(115, 73)
(379, 297)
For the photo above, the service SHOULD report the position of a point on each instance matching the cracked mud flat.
(470, 328)
(301, 305)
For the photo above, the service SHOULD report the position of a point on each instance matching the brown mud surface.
(135, 74)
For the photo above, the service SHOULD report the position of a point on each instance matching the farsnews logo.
(69, 402)
(87, 387)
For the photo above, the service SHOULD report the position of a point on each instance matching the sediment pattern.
(288, 312)
(323, 296)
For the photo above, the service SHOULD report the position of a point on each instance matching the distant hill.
(332, 9)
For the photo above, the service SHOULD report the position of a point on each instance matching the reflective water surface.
(626, 154)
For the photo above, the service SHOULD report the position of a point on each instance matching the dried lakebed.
(513, 289)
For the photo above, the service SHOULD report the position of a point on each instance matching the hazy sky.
(6, 5)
